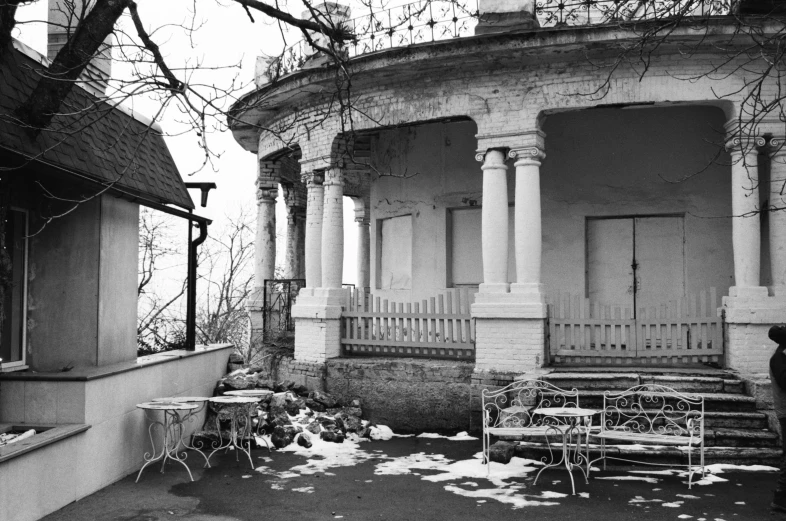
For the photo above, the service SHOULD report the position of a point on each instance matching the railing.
(430, 21)
(440, 328)
(556, 13)
(680, 331)
(278, 297)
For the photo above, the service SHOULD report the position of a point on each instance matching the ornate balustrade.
(430, 21)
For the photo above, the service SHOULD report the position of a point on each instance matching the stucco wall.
(599, 162)
(37, 483)
(82, 287)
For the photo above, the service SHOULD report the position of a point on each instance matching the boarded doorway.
(636, 262)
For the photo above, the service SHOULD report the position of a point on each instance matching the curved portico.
(453, 85)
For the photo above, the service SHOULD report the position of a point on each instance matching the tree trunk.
(56, 84)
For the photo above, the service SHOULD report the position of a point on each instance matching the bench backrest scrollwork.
(512, 405)
(653, 409)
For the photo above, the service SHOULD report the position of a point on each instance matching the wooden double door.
(635, 262)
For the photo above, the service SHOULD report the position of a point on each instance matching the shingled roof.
(90, 138)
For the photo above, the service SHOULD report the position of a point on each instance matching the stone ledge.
(53, 434)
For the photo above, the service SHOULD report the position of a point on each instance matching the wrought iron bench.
(507, 412)
(652, 414)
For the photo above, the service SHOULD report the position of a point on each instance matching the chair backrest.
(512, 405)
(653, 409)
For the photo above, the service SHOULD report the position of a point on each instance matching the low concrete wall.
(406, 395)
(39, 482)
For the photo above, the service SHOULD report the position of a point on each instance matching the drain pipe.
(192, 275)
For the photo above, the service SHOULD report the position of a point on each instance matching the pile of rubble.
(289, 414)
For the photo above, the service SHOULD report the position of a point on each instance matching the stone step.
(585, 381)
(748, 438)
(720, 402)
(663, 455)
(712, 419)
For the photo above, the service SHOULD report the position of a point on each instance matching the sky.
(225, 36)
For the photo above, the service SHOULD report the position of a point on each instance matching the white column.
(314, 213)
(745, 208)
(494, 226)
(527, 219)
(333, 230)
(265, 244)
(364, 244)
(290, 263)
(777, 215)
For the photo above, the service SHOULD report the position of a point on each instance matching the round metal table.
(240, 406)
(575, 417)
(172, 432)
(201, 402)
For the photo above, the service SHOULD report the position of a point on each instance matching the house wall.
(41, 481)
(600, 162)
(82, 287)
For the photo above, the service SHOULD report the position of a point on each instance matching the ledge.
(81, 374)
(53, 434)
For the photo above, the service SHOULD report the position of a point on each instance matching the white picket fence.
(685, 331)
(439, 327)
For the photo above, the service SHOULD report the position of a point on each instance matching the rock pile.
(291, 413)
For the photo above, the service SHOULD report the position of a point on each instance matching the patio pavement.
(416, 479)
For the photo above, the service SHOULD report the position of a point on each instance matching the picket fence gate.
(680, 332)
(438, 327)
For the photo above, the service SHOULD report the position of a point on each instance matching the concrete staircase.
(735, 431)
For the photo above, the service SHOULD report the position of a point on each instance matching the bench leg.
(690, 468)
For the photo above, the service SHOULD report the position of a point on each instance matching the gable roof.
(90, 138)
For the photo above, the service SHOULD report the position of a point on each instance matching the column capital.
(333, 176)
(363, 221)
(312, 178)
(775, 145)
(741, 138)
(266, 195)
(493, 158)
(524, 155)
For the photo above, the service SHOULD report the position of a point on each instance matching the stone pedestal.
(317, 315)
(748, 315)
(510, 333)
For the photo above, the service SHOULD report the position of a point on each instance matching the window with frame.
(12, 340)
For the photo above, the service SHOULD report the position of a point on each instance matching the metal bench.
(652, 414)
(507, 412)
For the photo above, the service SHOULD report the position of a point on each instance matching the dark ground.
(222, 493)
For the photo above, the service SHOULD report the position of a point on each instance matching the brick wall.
(748, 348)
(509, 344)
(316, 340)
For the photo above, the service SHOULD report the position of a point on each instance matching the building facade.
(591, 212)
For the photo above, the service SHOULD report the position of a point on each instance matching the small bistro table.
(172, 427)
(574, 417)
(240, 407)
(259, 394)
(201, 403)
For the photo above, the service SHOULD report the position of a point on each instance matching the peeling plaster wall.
(600, 162)
(608, 162)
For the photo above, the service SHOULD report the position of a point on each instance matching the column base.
(529, 292)
(508, 305)
(747, 320)
(317, 314)
(510, 344)
(494, 287)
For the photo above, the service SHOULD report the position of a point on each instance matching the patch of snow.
(585, 495)
(461, 436)
(630, 478)
(674, 504)
(654, 472)
(684, 516)
(719, 468)
(640, 499)
(481, 501)
(511, 496)
(739, 502)
(277, 486)
(246, 476)
(687, 496)
(305, 490)
(469, 484)
(381, 432)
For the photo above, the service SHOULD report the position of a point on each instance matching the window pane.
(395, 262)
